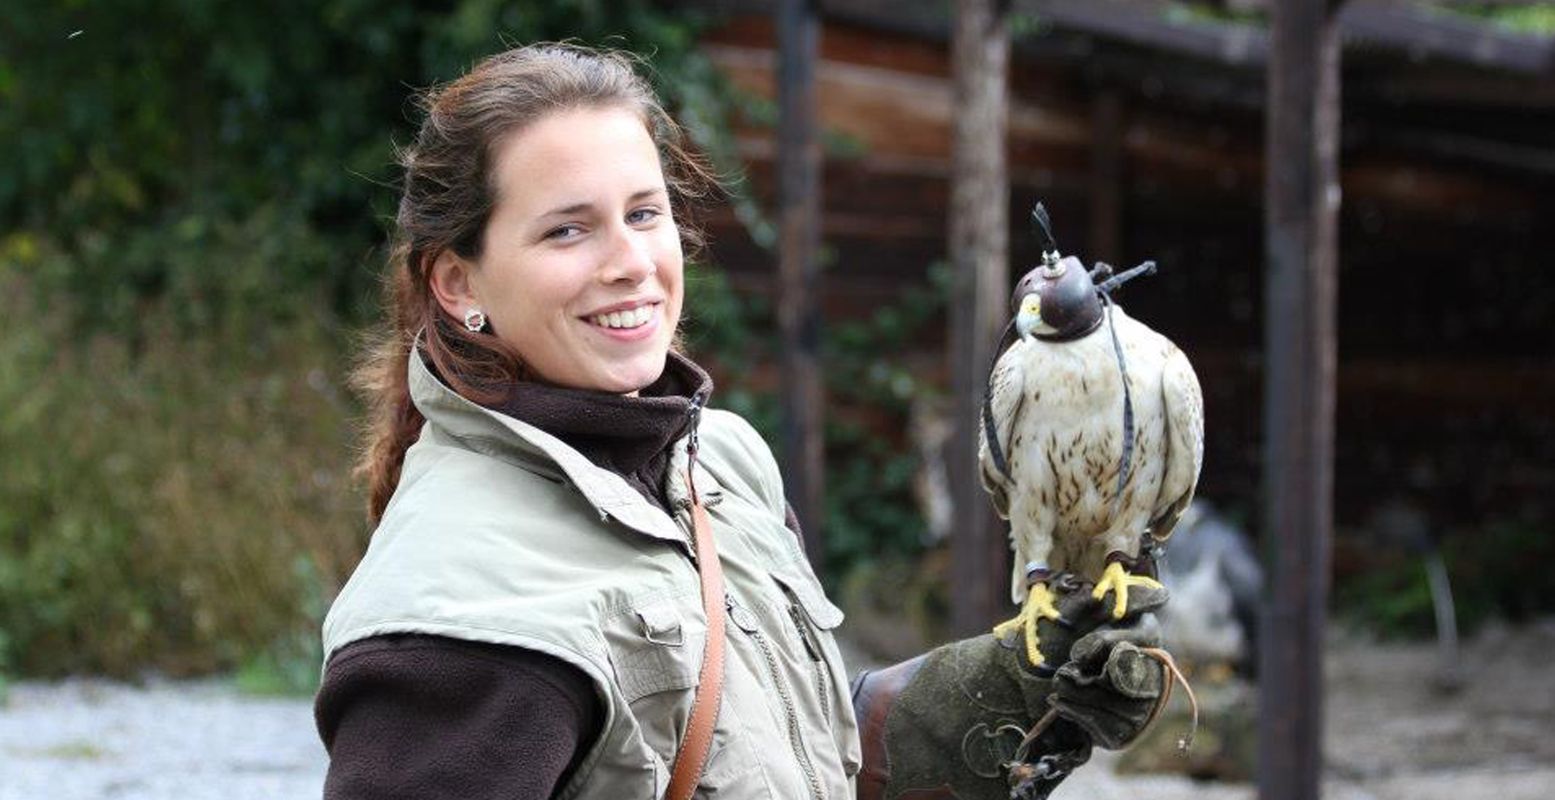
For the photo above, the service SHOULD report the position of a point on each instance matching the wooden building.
(1139, 125)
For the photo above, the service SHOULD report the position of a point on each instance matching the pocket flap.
(807, 590)
(661, 655)
(661, 624)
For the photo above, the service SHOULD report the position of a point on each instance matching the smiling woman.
(582, 584)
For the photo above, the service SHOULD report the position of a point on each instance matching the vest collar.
(500, 436)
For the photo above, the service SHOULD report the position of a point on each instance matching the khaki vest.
(499, 532)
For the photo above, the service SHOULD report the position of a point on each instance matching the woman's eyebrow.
(644, 194)
(576, 208)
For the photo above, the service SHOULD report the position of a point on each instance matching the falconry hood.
(1059, 300)
(1066, 305)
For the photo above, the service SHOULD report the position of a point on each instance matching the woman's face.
(580, 271)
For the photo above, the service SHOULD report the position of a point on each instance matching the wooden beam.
(1426, 35)
(1148, 25)
(1416, 32)
(979, 254)
(799, 214)
(1106, 192)
(1301, 228)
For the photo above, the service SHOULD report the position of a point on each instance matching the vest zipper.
(741, 619)
(812, 645)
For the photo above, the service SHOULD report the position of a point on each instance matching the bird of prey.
(1091, 439)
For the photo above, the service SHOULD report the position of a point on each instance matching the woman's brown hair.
(448, 195)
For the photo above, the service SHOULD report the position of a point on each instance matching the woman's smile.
(627, 322)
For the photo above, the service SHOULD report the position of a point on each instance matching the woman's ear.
(451, 284)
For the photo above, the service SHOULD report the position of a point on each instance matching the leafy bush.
(191, 206)
(136, 131)
(1496, 570)
(871, 511)
(159, 493)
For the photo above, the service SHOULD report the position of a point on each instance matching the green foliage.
(870, 509)
(158, 494)
(1537, 19)
(166, 124)
(289, 665)
(723, 328)
(1500, 570)
(1394, 599)
(5, 667)
(871, 513)
(1215, 14)
(191, 201)
(1497, 571)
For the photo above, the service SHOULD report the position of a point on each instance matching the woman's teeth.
(624, 319)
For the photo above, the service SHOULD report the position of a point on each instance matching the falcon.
(1091, 439)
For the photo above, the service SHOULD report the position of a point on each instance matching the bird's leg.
(1038, 605)
(1117, 580)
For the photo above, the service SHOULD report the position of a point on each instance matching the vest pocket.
(662, 657)
(657, 662)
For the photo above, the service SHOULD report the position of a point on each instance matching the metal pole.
(979, 253)
(799, 202)
(1300, 329)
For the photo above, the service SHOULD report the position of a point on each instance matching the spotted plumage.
(1057, 408)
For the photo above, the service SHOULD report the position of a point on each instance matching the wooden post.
(1301, 205)
(1106, 177)
(799, 203)
(979, 308)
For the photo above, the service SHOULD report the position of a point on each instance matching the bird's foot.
(1038, 605)
(1117, 580)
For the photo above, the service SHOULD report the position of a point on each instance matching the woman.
(528, 621)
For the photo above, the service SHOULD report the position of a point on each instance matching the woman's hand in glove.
(1111, 685)
(946, 723)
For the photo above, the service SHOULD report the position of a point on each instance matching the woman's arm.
(431, 717)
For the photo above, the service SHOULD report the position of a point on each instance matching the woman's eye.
(564, 232)
(643, 216)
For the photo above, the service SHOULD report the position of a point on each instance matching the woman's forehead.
(575, 157)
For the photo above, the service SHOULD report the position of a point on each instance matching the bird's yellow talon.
(1117, 581)
(1038, 605)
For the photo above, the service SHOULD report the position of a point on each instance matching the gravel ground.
(1391, 735)
(89, 739)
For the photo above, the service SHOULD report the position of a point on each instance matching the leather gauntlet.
(948, 723)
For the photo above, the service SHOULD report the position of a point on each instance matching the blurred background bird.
(1092, 437)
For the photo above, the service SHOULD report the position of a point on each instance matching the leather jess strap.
(692, 756)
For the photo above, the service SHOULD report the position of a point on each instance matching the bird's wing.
(1006, 390)
(1184, 405)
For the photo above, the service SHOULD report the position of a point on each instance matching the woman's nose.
(631, 257)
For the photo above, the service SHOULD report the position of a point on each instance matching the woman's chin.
(629, 378)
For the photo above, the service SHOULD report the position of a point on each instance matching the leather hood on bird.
(1070, 302)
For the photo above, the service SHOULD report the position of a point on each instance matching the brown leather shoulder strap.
(692, 757)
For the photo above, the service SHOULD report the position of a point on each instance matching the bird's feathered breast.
(1058, 411)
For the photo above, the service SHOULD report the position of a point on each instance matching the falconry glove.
(952, 722)
(1111, 685)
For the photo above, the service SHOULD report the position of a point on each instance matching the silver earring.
(474, 320)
